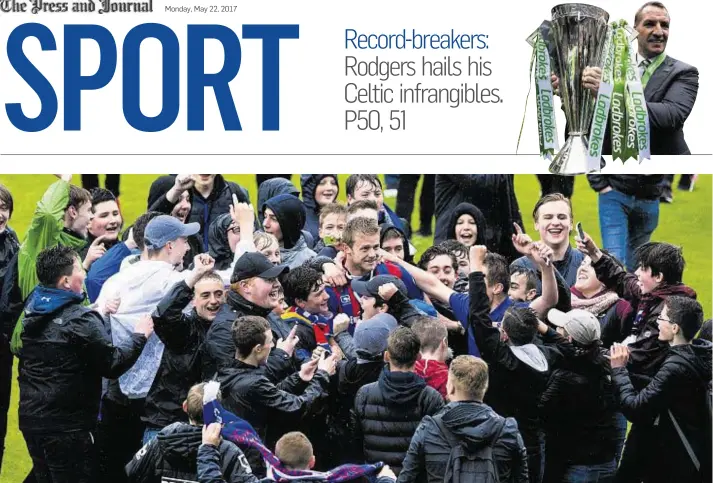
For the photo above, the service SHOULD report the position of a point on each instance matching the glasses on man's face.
(660, 318)
(235, 230)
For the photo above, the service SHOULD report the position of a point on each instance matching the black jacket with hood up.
(387, 413)
(476, 425)
(480, 223)
(65, 353)
(493, 194)
(290, 213)
(173, 456)
(309, 183)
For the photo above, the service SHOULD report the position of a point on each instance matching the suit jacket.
(670, 95)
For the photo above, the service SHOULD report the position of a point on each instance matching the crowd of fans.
(495, 357)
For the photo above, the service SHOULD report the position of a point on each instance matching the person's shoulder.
(367, 390)
(680, 66)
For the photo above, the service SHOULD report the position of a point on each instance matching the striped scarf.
(244, 435)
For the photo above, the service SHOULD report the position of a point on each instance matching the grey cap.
(583, 326)
(165, 228)
(370, 336)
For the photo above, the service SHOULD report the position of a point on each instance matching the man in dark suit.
(670, 88)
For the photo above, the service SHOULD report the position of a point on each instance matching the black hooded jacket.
(290, 213)
(480, 224)
(476, 425)
(493, 194)
(218, 246)
(387, 413)
(173, 456)
(271, 188)
(66, 350)
(679, 387)
(309, 184)
(9, 246)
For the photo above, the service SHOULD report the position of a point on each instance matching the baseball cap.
(255, 264)
(165, 228)
(371, 336)
(370, 288)
(583, 326)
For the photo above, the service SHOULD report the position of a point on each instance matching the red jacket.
(435, 373)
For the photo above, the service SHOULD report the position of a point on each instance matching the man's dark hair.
(299, 283)
(436, 251)
(663, 258)
(637, 16)
(530, 276)
(249, 331)
(549, 199)
(520, 325)
(355, 180)
(362, 205)
(392, 233)
(706, 331)
(685, 312)
(100, 195)
(139, 228)
(55, 263)
(6, 199)
(403, 347)
(430, 332)
(78, 196)
(498, 271)
(455, 248)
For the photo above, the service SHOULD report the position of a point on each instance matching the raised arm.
(427, 282)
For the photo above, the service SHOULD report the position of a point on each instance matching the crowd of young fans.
(493, 358)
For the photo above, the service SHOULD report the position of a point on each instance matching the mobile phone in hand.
(580, 231)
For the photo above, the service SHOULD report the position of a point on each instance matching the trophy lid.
(579, 10)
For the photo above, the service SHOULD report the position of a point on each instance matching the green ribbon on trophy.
(546, 122)
(630, 133)
(603, 103)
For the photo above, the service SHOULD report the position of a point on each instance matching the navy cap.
(255, 264)
(371, 288)
(165, 228)
(371, 336)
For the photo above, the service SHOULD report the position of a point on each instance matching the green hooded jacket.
(46, 230)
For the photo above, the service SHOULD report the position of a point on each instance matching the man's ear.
(312, 462)
(72, 211)
(387, 357)
(384, 308)
(658, 277)
(300, 303)
(531, 295)
(185, 407)
(350, 200)
(498, 289)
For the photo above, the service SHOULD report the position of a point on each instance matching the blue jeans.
(601, 473)
(626, 223)
(621, 424)
(149, 434)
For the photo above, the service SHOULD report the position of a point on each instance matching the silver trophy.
(578, 32)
